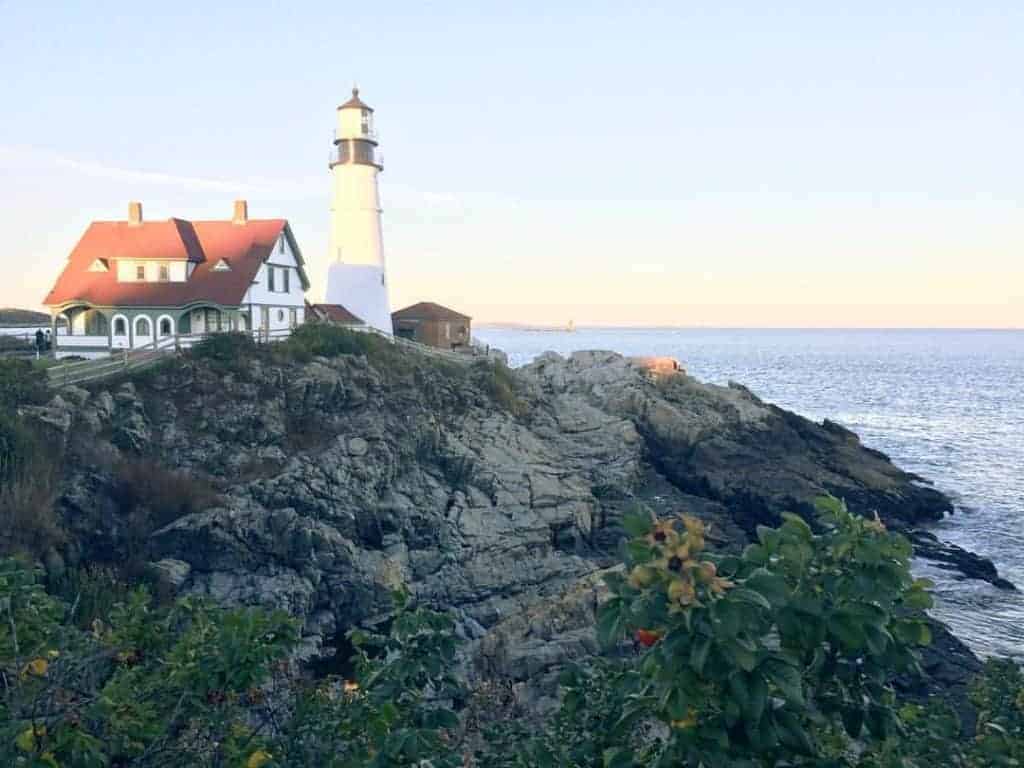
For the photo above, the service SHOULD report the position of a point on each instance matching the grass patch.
(227, 352)
(28, 521)
(500, 384)
(91, 591)
(28, 466)
(21, 383)
(320, 340)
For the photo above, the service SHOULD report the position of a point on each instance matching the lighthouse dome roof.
(355, 102)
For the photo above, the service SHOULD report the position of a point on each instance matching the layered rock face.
(340, 481)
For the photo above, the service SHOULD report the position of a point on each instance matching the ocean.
(945, 404)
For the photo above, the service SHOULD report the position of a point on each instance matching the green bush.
(192, 684)
(227, 351)
(781, 657)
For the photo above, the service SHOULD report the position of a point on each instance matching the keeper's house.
(129, 284)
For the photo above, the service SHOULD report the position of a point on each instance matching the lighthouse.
(356, 277)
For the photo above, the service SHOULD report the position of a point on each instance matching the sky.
(718, 163)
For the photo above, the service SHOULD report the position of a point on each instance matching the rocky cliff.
(327, 484)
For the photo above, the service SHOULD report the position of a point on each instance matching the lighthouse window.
(366, 121)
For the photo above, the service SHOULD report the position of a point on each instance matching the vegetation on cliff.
(310, 480)
(783, 655)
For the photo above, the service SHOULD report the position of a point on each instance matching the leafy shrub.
(191, 684)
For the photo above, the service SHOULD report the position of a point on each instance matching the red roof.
(204, 243)
(336, 313)
(428, 310)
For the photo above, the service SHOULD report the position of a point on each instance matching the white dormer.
(99, 265)
(222, 266)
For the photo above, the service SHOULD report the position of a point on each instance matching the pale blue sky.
(721, 163)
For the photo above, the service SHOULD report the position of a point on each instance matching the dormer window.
(140, 272)
(222, 266)
(164, 273)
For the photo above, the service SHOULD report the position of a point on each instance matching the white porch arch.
(142, 331)
(164, 326)
(120, 336)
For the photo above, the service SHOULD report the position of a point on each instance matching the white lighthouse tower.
(357, 278)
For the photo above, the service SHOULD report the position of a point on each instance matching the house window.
(140, 271)
(293, 317)
(280, 315)
(142, 327)
(270, 278)
(165, 326)
(164, 273)
(287, 274)
(120, 327)
(281, 246)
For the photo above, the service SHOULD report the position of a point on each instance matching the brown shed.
(432, 324)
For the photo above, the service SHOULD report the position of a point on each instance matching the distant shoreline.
(553, 328)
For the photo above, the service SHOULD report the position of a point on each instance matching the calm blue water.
(948, 405)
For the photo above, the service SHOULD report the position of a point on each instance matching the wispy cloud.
(397, 194)
(279, 188)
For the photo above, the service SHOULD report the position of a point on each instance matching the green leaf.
(786, 679)
(617, 758)
(772, 586)
(757, 691)
(637, 524)
(744, 595)
(853, 720)
(798, 525)
(699, 653)
(610, 622)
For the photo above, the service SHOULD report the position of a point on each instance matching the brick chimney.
(241, 212)
(135, 213)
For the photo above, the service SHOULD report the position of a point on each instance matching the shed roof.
(428, 310)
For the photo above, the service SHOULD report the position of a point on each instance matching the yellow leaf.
(37, 667)
(26, 740)
(258, 759)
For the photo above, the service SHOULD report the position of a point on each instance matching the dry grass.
(147, 490)
(28, 520)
